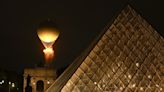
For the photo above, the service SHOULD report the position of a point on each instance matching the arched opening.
(40, 86)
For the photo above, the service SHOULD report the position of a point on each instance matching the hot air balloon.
(48, 34)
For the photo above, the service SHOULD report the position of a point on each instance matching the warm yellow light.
(48, 36)
(48, 82)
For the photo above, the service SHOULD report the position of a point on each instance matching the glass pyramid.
(128, 57)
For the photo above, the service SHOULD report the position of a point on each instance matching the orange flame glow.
(49, 54)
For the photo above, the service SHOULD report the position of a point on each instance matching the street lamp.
(9, 85)
(13, 85)
(3, 81)
(48, 34)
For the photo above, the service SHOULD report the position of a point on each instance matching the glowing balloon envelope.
(48, 36)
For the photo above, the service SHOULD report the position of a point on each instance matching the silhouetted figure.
(28, 87)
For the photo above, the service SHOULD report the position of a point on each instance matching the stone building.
(41, 78)
(127, 56)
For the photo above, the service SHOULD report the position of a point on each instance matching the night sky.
(79, 22)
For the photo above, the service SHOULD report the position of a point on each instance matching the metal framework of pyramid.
(127, 57)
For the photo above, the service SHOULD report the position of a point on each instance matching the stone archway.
(40, 86)
(41, 78)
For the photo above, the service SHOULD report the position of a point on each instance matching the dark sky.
(79, 22)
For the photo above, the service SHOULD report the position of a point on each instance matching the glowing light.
(108, 75)
(48, 82)
(121, 88)
(118, 64)
(129, 76)
(13, 85)
(3, 81)
(103, 85)
(137, 64)
(133, 85)
(157, 85)
(48, 36)
(49, 54)
(160, 89)
(149, 76)
(95, 83)
(48, 50)
(9, 82)
(33, 83)
(141, 88)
